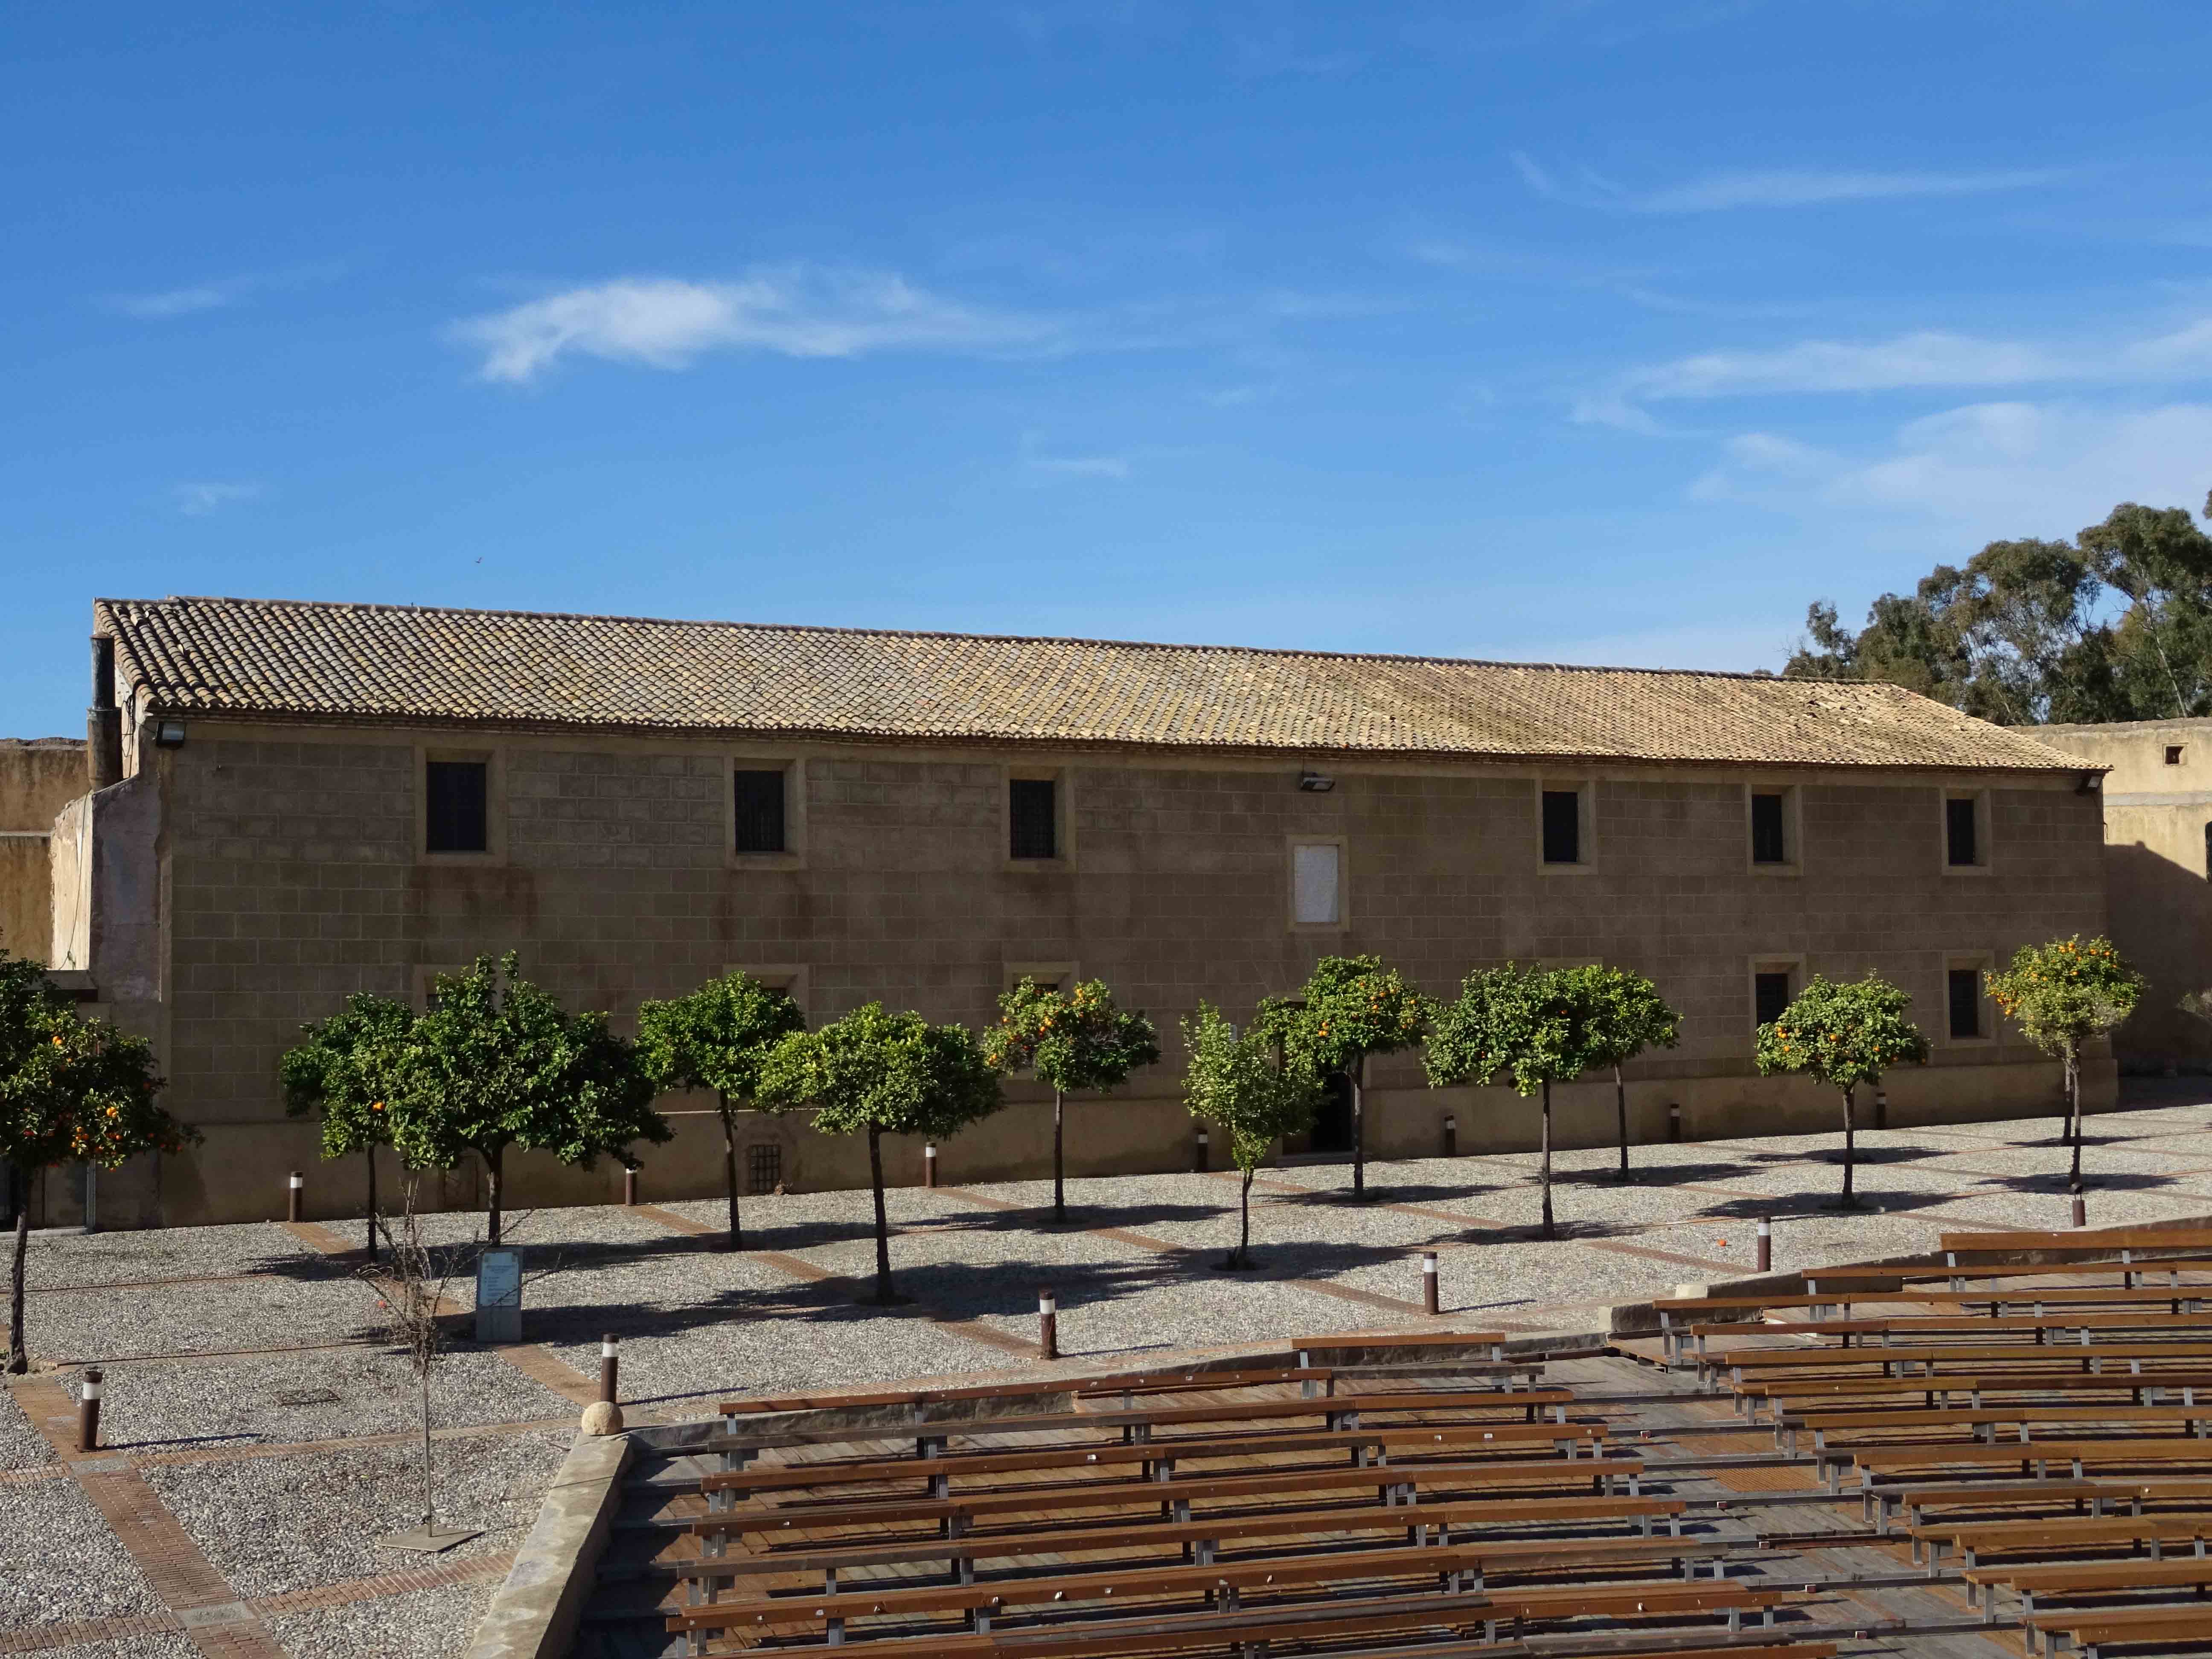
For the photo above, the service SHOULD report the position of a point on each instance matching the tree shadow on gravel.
(1342, 1198)
(1653, 1177)
(1822, 1200)
(1081, 1218)
(1863, 1156)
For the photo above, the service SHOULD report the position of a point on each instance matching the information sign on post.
(499, 1295)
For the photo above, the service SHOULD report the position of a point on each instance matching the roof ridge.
(949, 634)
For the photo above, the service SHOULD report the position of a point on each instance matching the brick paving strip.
(813, 1274)
(43, 1638)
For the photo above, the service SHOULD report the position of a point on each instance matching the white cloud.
(176, 301)
(795, 311)
(196, 500)
(1079, 466)
(1987, 469)
(1778, 187)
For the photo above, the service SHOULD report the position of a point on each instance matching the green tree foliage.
(1845, 1035)
(496, 1062)
(877, 1073)
(71, 1092)
(716, 1038)
(1350, 1007)
(1536, 1027)
(343, 1072)
(1622, 1014)
(2114, 625)
(2062, 995)
(1074, 1040)
(1252, 1086)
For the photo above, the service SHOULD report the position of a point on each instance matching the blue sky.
(1575, 330)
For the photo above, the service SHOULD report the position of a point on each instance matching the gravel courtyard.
(255, 1421)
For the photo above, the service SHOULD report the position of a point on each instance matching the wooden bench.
(1972, 1539)
(1352, 1341)
(1821, 1425)
(1960, 1324)
(2131, 1264)
(1916, 1497)
(1312, 1620)
(1976, 1387)
(2090, 1629)
(2110, 1240)
(2087, 1578)
(2013, 1356)
(1393, 1484)
(1203, 1538)
(954, 1394)
(2120, 1451)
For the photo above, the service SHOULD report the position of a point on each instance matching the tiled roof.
(290, 659)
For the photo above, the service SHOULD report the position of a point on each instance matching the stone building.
(2158, 876)
(302, 801)
(37, 780)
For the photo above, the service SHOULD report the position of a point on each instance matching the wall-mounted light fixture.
(168, 734)
(1316, 783)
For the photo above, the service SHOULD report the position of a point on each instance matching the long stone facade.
(258, 871)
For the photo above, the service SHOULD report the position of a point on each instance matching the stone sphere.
(601, 1417)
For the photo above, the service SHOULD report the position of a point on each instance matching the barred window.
(1768, 840)
(456, 799)
(764, 1168)
(1563, 826)
(1966, 988)
(1770, 996)
(1961, 842)
(1031, 810)
(760, 812)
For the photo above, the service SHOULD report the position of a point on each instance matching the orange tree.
(342, 1072)
(1253, 1085)
(716, 1038)
(1350, 1008)
(1622, 1014)
(2062, 995)
(1073, 1039)
(1845, 1035)
(71, 1092)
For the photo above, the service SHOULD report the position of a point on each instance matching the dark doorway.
(1332, 1129)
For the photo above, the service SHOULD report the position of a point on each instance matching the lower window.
(764, 1168)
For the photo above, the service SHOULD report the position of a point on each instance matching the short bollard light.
(1429, 1304)
(609, 1368)
(1048, 1321)
(1201, 1158)
(295, 1197)
(2081, 1210)
(928, 1166)
(1451, 1135)
(1765, 1245)
(630, 1185)
(88, 1412)
(1881, 1109)
(1674, 1123)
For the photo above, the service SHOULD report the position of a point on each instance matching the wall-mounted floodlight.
(168, 734)
(1316, 783)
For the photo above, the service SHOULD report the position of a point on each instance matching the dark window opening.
(1768, 843)
(1563, 826)
(2173, 754)
(2208, 852)
(1770, 996)
(764, 1168)
(455, 795)
(1958, 832)
(1965, 1002)
(760, 812)
(1332, 1129)
(1029, 809)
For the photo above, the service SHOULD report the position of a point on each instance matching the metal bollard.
(1429, 1283)
(1048, 1321)
(1451, 1135)
(1765, 1245)
(88, 1412)
(928, 1166)
(295, 1198)
(2081, 1210)
(1202, 1157)
(629, 1184)
(609, 1367)
(1674, 1123)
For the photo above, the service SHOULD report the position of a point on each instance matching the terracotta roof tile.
(286, 658)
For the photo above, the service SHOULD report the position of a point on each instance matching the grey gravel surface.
(129, 1647)
(264, 1312)
(314, 1516)
(423, 1624)
(59, 1562)
(21, 1445)
(320, 1395)
(67, 1256)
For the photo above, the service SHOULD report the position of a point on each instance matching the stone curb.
(534, 1614)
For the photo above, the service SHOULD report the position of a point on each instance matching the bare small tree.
(411, 1298)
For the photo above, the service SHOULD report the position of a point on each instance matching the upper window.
(1770, 995)
(1563, 826)
(1965, 987)
(1032, 814)
(1317, 884)
(1770, 840)
(456, 797)
(1965, 831)
(759, 817)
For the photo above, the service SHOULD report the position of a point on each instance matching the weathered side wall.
(37, 779)
(291, 877)
(2158, 864)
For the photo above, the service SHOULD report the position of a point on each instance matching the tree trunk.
(1550, 1231)
(492, 1160)
(1357, 1072)
(371, 1156)
(882, 1220)
(429, 1493)
(730, 1168)
(1621, 1111)
(2074, 1116)
(19, 1356)
(1059, 1185)
(1851, 1140)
